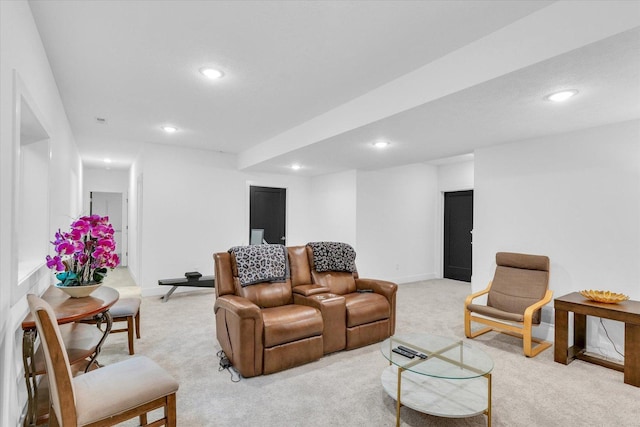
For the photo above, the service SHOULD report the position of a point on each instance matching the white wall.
(105, 180)
(456, 176)
(573, 197)
(21, 50)
(396, 223)
(195, 203)
(333, 208)
(134, 260)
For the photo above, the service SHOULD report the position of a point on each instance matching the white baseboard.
(544, 331)
(414, 278)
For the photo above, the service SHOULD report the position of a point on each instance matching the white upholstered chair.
(105, 396)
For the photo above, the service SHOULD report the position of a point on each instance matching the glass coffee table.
(446, 378)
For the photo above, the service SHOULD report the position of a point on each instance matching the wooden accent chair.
(105, 396)
(519, 289)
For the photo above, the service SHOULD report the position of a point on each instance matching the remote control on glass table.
(403, 353)
(412, 351)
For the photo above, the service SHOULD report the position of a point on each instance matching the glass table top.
(439, 357)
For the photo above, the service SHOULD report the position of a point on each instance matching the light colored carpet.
(344, 389)
(120, 279)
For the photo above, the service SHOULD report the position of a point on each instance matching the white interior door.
(110, 204)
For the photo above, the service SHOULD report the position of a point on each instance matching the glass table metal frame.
(453, 380)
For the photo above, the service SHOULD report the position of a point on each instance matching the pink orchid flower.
(86, 247)
(56, 262)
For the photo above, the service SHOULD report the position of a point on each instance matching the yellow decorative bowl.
(603, 296)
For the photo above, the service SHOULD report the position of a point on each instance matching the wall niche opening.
(31, 192)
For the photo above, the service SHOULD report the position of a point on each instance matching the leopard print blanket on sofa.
(333, 256)
(261, 263)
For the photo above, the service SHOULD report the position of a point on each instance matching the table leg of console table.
(632, 354)
(562, 351)
(579, 332)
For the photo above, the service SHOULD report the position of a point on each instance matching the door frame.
(440, 230)
(124, 258)
(247, 210)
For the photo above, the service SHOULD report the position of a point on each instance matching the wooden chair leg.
(138, 324)
(529, 349)
(467, 326)
(467, 323)
(526, 338)
(130, 333)
(170, 410)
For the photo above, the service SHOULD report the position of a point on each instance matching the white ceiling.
(315, 82)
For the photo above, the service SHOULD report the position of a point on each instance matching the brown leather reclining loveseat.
(267, 326)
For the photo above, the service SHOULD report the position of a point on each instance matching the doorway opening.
(267, 212)
(112, 205)
(458, 235)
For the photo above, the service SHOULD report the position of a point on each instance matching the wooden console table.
(83, 341)
(627, 312)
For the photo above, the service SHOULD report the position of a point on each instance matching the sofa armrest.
(308, 290)
(382, 287)
(239, 330)
(387, 290)
(528, 312)
(241, 307)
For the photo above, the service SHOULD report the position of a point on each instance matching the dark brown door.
(268, 207)
(458, 226)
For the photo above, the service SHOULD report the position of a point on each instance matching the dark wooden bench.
(200, 282)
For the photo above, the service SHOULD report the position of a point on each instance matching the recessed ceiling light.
(561, 96)
(295, 166)
(169, 129)
(381, 144)
(211, 73)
